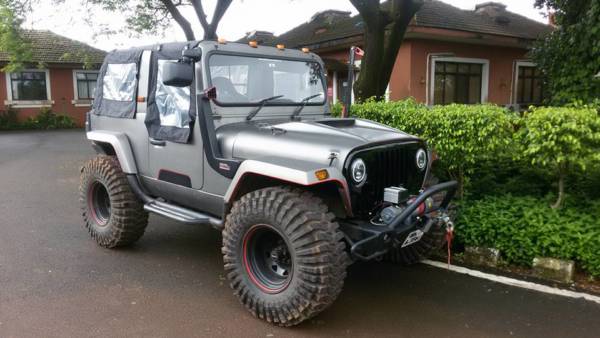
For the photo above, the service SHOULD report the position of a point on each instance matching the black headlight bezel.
(421, 151)
(353, 166)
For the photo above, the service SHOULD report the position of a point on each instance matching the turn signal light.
(253, 44)
(281, 47)
(305, 50)
(322, 174)
(222, 41)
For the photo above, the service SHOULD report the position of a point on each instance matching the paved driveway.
(55, 281)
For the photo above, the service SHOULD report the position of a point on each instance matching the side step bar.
(172, 211)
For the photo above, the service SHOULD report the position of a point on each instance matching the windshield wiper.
(261, 105)
(303, 104)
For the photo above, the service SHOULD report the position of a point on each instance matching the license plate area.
(413, 237)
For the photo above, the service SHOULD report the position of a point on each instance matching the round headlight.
(421, 159)
(358, 170)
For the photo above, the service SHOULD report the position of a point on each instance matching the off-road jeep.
(240, 137)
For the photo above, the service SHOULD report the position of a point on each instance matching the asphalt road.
(56, 282)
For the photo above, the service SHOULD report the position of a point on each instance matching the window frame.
(208, 77)
(77, 101)
(485, 75)
(28, 103)
(515, 89)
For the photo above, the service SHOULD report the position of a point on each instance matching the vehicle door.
(175, 146)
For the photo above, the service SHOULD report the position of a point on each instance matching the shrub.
(561, 139)
(464, 136)
(407, 115)
(523, 228)
(47, 119)
(8, 119)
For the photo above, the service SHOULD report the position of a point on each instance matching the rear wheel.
(113, 215)
(283, 254)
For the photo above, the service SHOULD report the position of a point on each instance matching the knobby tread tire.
(317, 247)
(128, 220)
(415, 253)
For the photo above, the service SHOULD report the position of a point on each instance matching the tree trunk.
(369, 81)
(561, 188)
(384, 31)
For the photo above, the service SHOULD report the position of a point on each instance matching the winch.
(397, 199)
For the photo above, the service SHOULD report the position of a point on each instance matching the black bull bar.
(368, 241)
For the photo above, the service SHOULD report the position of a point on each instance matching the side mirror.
(178, 74)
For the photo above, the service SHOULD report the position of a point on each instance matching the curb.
(514, 282)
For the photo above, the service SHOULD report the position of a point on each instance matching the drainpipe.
(335, 86)
(348, 98)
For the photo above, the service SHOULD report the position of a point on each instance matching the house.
(61, 77)
(448, 54)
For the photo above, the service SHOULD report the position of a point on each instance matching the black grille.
(390, 165)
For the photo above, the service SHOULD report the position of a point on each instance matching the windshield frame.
(264, 56)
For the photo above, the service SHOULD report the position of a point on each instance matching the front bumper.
(368, 241)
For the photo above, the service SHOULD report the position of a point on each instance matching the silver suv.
(240, 137)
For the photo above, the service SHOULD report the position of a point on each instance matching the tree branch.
(368, 10)
(181, 21)
(197, 4)
(210, 29)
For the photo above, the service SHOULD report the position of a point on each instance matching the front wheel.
(112, 213)
(283, 254)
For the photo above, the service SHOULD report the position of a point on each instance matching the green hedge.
(501, 158)
(524, 227)
(46, 119)
(464, 136)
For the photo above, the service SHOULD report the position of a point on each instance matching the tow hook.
(449, 236)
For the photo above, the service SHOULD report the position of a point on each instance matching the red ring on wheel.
(249, 271)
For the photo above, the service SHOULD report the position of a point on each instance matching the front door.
(175, 144)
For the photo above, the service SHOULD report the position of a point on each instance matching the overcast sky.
(72, 20)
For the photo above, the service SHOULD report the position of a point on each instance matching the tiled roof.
(433, 14)
(48, 47)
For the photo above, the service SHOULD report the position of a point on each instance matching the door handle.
(156, 142)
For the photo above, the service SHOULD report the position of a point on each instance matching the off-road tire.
(415, 253)
(315, 245)
(126, 220)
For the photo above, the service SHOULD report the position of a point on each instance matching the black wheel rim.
(99, 203)
(267, 259)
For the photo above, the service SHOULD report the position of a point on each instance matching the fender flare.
(303, 175)
(120, 143)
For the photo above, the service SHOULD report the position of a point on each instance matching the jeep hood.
(311, 140)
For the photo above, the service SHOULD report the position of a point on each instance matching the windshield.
(248, 80)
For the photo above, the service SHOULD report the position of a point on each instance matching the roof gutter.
(429, 33)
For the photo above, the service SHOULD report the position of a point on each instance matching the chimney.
(259, 36)
(329, 16)
(494, 10)
(490, 8)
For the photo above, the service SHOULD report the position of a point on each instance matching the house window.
(529, 89)
(458, 80)
(85, 84)
(28, 86)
